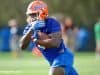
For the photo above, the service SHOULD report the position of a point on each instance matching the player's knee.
(57, 71)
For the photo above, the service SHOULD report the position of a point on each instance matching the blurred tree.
(82, 11)
(11, 9)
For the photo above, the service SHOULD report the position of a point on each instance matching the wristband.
(35, 40)
(42, 47)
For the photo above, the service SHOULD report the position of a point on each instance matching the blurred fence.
(85, 39)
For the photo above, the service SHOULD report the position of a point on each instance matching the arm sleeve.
(55, 27)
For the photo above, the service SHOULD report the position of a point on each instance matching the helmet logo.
(39, 7)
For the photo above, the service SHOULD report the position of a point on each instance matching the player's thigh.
(57, 71)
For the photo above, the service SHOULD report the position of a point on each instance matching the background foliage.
(82, 11)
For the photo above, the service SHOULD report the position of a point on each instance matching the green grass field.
(85, 63)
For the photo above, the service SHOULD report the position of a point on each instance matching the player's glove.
(34, 26)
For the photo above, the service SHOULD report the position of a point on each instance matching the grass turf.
(85, 63)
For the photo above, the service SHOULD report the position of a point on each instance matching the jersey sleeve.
(55, 27)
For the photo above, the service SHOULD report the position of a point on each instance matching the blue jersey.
(52, 26)
(60, 56)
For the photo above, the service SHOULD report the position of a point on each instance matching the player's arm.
(33, 26)
(53, 40)
(25, 40)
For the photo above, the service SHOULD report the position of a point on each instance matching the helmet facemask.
(33, 17)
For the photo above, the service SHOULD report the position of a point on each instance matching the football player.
(45, 32)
